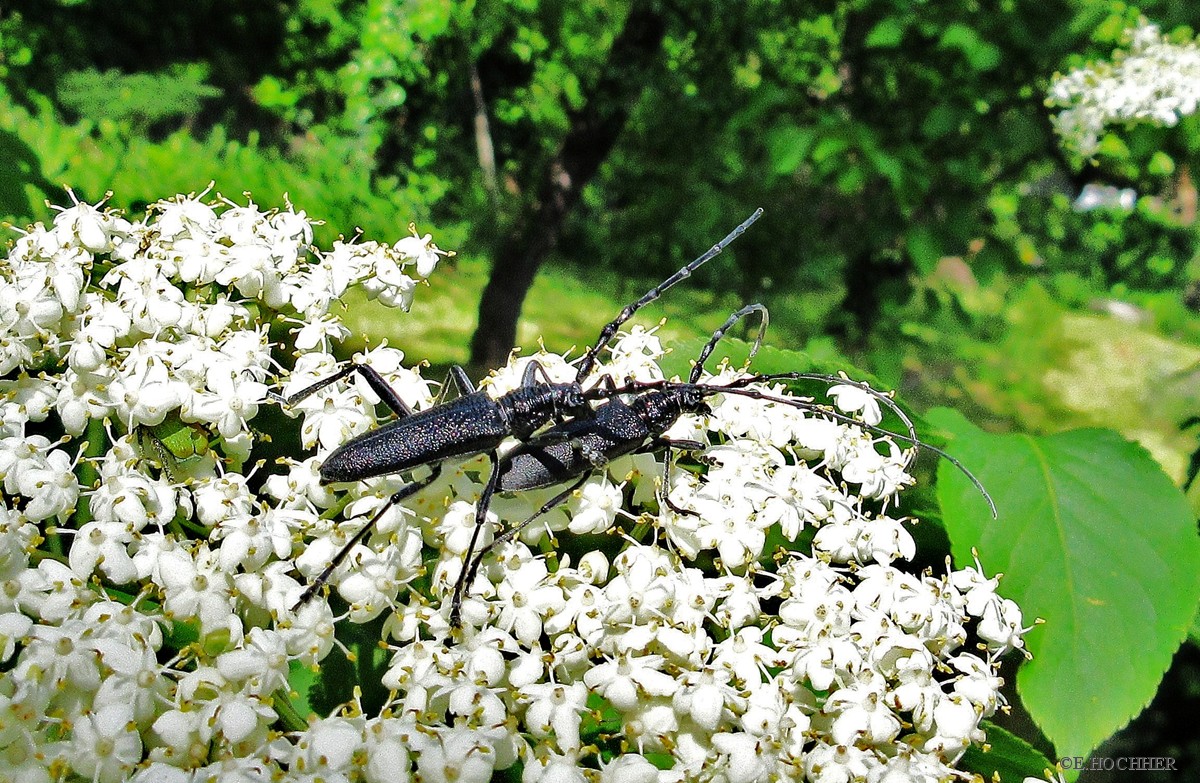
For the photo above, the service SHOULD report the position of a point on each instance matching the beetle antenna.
(711, 345)
(589, 359)
(738, 387)
(917, 442)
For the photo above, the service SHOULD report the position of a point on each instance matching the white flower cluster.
(1155, 81)
(147, 581)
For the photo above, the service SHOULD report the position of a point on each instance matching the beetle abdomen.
(467, 425)
(572, 449)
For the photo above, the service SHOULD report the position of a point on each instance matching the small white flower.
(743, 757)
(230, 402)
(956, 725)
(388, 743)
(105, 745)
(196, 587)
(51, 592)
(131, 498)
(83, 224)
(262, 662)
(555, 708)
(745, 656)
(853, 399)
(704, 696)
(147, 397)
(526, 596)
(137, 680)
(625, 682)
(1000, 625)
(460, 756)
(222, 497)
(599, 501)
(632, 768)
(329, 747)
(879, 476)
(825, 763)
(104, 545)
(420, 250)
(50, 485)
(861, 713)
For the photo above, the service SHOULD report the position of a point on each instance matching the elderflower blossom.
(153, 550)
(1156, 81)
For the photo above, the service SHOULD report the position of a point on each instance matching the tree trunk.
(592, 133)
(483, 140)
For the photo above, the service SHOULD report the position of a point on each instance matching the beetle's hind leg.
(404, 492)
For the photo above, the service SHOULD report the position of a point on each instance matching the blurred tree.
(592, 132)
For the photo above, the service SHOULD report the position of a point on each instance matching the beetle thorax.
(660, 409)
(530, 407)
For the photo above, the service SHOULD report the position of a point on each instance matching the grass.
(564, 310)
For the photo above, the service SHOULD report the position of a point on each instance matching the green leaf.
(831, 146)
(886, 35)
(180, 635)
(1093, 538)
(942, 120)
(788, 146)
(301, 679)
(923, 248)
(980, 54)
(1160, 164)
(19, 166)
(1008, 755)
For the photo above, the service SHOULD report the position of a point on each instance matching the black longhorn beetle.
(472, 423)
(577, 448)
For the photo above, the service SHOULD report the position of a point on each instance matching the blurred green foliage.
(916, 195)
(921, 214)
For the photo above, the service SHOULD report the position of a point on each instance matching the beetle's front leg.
(667, 444)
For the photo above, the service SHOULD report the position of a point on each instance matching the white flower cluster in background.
(149, 569)
(1155, 81)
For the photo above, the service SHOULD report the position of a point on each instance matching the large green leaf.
(1006, 755)
(1093, 538)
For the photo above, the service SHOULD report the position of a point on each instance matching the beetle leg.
(369, 374)
(458, 377)
(481, 508)
(471, 568)
(323, 577)
(667, 445)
